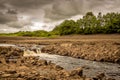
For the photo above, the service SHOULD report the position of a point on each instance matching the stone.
(78, 71)
(58, 67)
(11, 71)
(6, 75)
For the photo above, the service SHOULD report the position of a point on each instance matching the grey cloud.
(29, 3)
(24, 4)
(12, 11)
(19, 24)
(59, 9)
(66, 8)
(63, 9)
(50, 10)
(103, 6)
(6, 29)
(5, 18)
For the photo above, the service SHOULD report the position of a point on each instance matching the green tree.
(91, 24)
(67, 27)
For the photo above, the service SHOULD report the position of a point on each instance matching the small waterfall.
(32, 52)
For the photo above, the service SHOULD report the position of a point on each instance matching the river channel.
(90, 68)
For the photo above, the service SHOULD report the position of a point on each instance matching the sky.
(30, 15)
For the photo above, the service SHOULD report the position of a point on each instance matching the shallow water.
(91, 68)
(7, 45)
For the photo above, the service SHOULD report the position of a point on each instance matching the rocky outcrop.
(32, 68)
(97, 51)
(10, 51)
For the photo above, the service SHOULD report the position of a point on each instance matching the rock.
(66, 44)
(95, 78)
(110, 79)
(10, 71)
(23, 67)
(3, 60)
(58, 67)
(16, 75)
(97, 51)
(100, 76)
(10, 51)
(2, 72)
(86, 67)
(119, 67)
(78, 71)
(64, 73)
(43, 62)
(22, 74)
(6, 75)
(49, 62)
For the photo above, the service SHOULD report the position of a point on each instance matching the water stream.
(91, 68)
(7, 45)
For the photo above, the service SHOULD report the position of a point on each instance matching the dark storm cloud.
(66, 8)
(59, 9)
(24, 4)
(9, 9)
(12, 11)
(50, 10)
(5, 18)
(63, 9)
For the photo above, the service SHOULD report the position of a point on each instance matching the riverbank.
(105, 51)
(91, 47)
(14, 66)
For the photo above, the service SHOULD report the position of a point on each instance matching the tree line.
(90, 24)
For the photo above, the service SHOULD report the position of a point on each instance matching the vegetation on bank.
(38, 33)
(89, 24)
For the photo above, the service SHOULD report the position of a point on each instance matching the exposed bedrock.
(97, 51)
